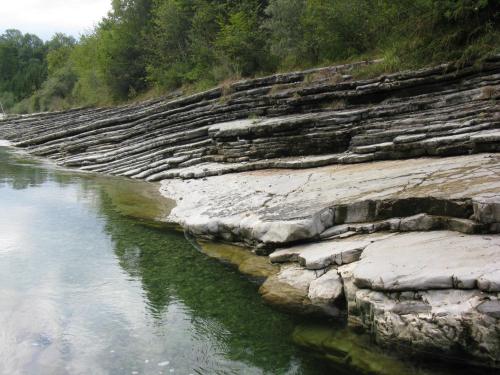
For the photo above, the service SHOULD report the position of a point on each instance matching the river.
(86, 289)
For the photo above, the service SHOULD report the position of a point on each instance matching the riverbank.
(406, 250)
(374, 202)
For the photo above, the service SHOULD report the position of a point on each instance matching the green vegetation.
(155, 46)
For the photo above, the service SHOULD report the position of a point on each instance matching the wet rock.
(247, 262)
(274, 162)
(463, 325)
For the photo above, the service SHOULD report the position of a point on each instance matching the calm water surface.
(87, 290)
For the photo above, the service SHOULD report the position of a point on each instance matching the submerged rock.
(289, 289)
(247, 262)
(348, 351)
(420, 292)
(137, 199)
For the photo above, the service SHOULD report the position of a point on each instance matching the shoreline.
(383, 211)
(342, 275)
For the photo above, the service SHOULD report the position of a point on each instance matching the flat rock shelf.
(374, 202)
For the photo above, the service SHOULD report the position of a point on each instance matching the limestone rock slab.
(281, 206)
(326, 288)
(289, 289)
(430, 260)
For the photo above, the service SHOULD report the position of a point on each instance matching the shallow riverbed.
(86, 289)
(90, 284)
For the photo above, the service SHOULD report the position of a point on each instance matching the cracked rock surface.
(427, 292)
(282, 206)
(376, 201)
(430, 260)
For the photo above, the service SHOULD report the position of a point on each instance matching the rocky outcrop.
(422, 292)
(272, 208)
(294, 120)
(375, 202)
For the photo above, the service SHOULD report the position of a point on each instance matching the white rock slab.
(280, 206)
(431, 260)
(296, 277)
(326, 289)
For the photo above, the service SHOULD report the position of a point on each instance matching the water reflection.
(85, 289)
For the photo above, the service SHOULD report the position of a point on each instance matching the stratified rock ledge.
(375, 202)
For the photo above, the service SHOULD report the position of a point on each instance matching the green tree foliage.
(240, 44)
(59, 52)
(169, 50)
(121, 57)
(22, 64)
(439, 30)
(286, 31)
(167, 44)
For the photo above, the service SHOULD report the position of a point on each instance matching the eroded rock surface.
(378, 200)
(426, 292)
(461, 322)
(431, 260)
(282, 206)
(294, 120)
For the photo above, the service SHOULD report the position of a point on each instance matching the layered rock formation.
(377, 201)
(322, 116)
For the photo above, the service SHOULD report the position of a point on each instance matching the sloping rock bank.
(294, 120)
(371, 201)
(407, 250)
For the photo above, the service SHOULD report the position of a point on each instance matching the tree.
(240, 43)
(22, 64)
(286, 31)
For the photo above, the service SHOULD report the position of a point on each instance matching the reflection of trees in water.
(221, 303)
(217, 296)
(21, 172)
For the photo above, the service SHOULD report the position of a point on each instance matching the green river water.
(87, 287)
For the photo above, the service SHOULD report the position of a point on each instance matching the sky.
(46, 17)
